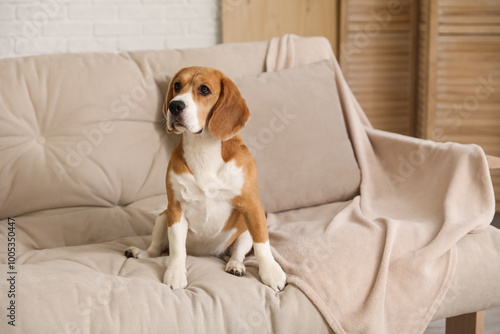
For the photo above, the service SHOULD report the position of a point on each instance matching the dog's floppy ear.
(168, 98)
(230, 112)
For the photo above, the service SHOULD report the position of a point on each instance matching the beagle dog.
(213, 202)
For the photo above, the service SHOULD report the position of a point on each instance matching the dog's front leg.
(176, 276)
(270, 271)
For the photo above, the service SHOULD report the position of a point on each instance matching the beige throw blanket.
(385, 262)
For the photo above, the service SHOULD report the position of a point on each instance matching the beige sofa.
(83, 159)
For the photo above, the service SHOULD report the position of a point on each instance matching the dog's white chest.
(206, 194)
(206, 198)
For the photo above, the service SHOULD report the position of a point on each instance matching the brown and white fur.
(213, 202)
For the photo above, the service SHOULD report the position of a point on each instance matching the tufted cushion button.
(40, 140)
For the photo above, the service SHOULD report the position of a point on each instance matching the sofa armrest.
(471, 323)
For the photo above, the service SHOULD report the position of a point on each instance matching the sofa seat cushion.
(72, 274)
(89, 286)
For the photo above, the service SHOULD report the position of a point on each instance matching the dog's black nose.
(176, 107)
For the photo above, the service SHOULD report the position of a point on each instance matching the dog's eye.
(177, 86)
(204, 90)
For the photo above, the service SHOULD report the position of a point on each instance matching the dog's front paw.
(272, 275)
(136, 252)
(235, 268)
(175, 277)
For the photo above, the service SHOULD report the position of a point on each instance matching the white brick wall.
(52, 26)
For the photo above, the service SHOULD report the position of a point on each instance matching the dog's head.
(200, 98)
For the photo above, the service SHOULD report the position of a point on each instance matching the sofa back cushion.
(87, 129)
(298, 138)
(76, 130)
